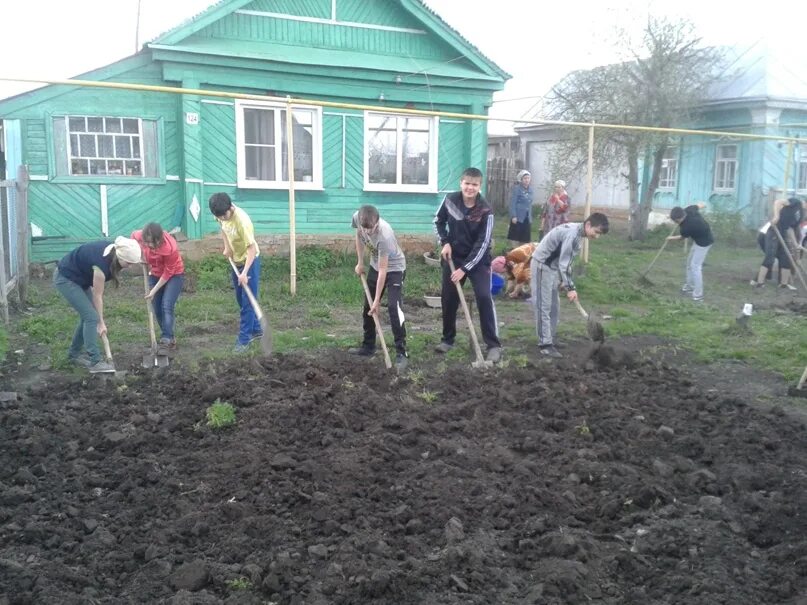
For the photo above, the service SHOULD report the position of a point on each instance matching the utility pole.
(137, 28)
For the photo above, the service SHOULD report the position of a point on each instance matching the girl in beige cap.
(80, 277)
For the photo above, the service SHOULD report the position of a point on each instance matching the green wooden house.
(105, 161)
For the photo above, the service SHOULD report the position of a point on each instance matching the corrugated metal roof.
(770, 68)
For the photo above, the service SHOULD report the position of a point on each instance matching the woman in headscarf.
(80, 277)
(556, 211)
(521, 209)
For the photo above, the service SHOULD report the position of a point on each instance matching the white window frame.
(721, 165)
(316, 151)
(801, 183)
(75, 154)
(431, 186)
(669, 166)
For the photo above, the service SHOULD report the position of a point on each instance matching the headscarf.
(126, 249)
(521, 174)
(560, 184)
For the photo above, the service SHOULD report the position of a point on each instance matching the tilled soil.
(547, 484)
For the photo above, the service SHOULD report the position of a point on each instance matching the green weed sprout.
(220, 414)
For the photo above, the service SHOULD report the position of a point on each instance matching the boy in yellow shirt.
(240, 246)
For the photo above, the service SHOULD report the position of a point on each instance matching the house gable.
(402, 37)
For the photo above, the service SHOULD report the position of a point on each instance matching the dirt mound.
(798, 307)
(338, 484)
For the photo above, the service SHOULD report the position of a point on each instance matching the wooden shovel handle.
(149, 308)
(474, 339)
(255, 306)
(107, 351)
(580, 308)
(387, 360)
(660, 250)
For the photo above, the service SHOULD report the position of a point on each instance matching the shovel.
(387, 360)
(799, 390)
(480, 361)
(153, 359)
(643, 280)
(107, 354)
(593, 327)
(266, 338)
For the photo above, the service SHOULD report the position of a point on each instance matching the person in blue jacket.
(519, 231)
(81, 277)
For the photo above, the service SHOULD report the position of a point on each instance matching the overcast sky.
(537, 42)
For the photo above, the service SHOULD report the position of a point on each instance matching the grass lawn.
(326, 310)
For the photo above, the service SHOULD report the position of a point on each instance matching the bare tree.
(663, 80)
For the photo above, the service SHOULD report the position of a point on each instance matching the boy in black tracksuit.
(692, 224)
(464, 225)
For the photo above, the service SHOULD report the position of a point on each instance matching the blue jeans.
(164, 302)
(86, 335)
(250, 326)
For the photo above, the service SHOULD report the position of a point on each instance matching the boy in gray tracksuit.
(552, 265)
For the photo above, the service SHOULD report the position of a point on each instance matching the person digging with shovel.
(464, 226)
(166, 276)
(692, 224)
(81, 277)
(387, 272)
(552, 266)
(241, 248)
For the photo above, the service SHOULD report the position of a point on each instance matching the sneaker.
(81, 360)
(256, 336)
(686, 290)
(494, 355)
(697, 299)
(756, 284)
(168, 343)
(790, 287)
(444, 347)
(240, 348)
(549, 351)
(362, 351)
(102, 367)
(401, 361)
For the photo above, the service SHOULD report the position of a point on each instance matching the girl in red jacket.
(166, 276)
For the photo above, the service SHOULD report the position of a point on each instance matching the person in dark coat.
(519, 231)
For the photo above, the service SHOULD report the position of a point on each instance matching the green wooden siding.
(65, 210)
(131, 206)
(332, 153)
(301, 8)
(451, 154)
(36, 148)
(354, 156)
(322, 35)
(218, 142)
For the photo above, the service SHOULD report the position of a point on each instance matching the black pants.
(394, 288)
(450, 301)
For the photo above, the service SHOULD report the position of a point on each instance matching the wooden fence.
(501, 174)
(14, 239)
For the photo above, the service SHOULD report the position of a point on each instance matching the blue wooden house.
(762, 91)
(103, 161)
